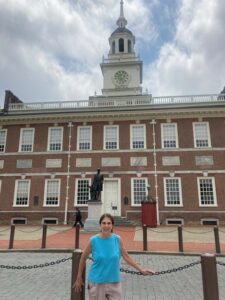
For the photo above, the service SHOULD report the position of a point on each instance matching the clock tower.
(122, 70)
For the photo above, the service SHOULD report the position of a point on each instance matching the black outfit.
(78, 218)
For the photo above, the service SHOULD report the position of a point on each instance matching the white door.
(111, 197)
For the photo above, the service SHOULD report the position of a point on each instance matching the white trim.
(208, 135)
(76, 191)
(16, 190)
(117, 137)
(131, 136)
(6, 131)
(22, 130)
(174, 219)
(165, 194)
(176, 136)
(45, 193)
(61, 140)
(214, 192)
(46, 218)
(132, 190)
(209, 219)
(13, 219)
(78, 138)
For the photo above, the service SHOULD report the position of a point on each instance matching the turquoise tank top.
(106, 256)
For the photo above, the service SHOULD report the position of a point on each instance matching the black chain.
(220, 263)
(160, 272)
(52, 263)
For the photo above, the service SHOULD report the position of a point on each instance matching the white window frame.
(78, 137)
(76, 191)
(16, 192)
(22, 130)
(132, 190)
(45, 193)
(210, 220)
(56, 219)
(117, 136)
(131, 135)
(179, 221)
(163, 138)
(23, 219)
(165, 179)
(213, 190)
(49, 138)
(0, 185)
(4, 145)
(208, 134)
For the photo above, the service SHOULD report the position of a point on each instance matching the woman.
(104, 279)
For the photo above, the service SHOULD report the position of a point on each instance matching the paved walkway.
(196, 239)
(54, 282)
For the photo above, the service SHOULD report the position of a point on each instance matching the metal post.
(145, 238)
(209, 277)
(75, 264)
(180, 238)
(77, 237)
(217, 239)
(12, 233)
(44, 235)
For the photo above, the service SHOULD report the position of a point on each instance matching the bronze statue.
(96, 186)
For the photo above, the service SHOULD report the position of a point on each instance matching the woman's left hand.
(147, 272)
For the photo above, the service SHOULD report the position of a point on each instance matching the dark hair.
(106, 216)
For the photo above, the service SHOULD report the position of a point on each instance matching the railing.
(123, 101)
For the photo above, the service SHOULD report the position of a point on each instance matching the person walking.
(78, 218)
(104, 280)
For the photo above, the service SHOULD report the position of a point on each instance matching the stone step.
(122, 221)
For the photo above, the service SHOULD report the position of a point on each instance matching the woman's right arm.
(79, 281)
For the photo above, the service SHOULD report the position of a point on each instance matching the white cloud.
(193, 63)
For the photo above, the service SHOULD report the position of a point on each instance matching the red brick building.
(49, 152)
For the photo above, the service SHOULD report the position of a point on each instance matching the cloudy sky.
(50, 50)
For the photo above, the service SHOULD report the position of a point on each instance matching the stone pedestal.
(94, 214)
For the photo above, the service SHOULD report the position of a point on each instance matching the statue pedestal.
(94, 214)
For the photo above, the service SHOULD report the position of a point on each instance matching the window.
(0, 186)
(111, 137)
(82, 191)
(138, 137)
(169, 135)
(139, 190)
(26, 139)
(201, 135)
(50, 221)
(52, 192)
(172, 190)
(174, 222)
(22, 191)
(19, 221)
(129, 46)
(206, 192)
(55, 138)
(113, 47)
(2, 139)
(121, 45)
(84, 138)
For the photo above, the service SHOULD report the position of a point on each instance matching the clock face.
(121, 78)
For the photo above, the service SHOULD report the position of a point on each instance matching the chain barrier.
(59, 230)
(31, 231)
(220, 230)
(123, 230)
(52, 263)
(5, 229)
(159, 272)
(210, 231)
(220, 263)
(175, 230)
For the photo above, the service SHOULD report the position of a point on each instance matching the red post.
(145, 238)
(77, 237)
(180, 238)
(75, 264)
(12, 234)
(44, 236)
(209, 277)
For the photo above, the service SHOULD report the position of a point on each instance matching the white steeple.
(121, 22)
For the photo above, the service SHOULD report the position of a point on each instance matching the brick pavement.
(53, 282)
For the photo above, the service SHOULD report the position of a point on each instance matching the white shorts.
(103, 291)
